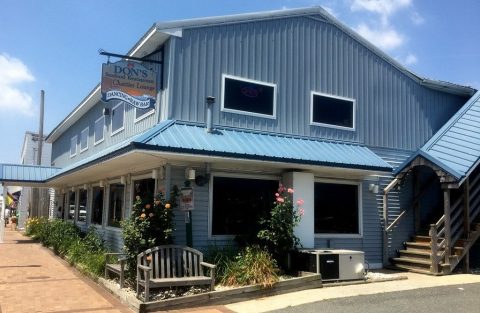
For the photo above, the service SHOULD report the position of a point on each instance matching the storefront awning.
(25, 175)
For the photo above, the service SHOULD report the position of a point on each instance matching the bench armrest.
(115, 253)
(208, 265)
(145, 268)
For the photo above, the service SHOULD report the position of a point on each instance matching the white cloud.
(384, 8)
(417, 19)
(330, 11)
(13, 73)
(410, 59)
(385, 38)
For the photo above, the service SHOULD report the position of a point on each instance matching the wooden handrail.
(440, 221)
(395, 221)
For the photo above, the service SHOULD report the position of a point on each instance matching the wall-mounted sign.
(130, 82)
(186, 198)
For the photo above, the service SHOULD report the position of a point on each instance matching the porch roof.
(25, 174)
(192, 139)
(455, 148)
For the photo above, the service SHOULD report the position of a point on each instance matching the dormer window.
(249, 97)
(332, 111)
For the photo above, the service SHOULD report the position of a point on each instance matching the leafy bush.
(87, 252)
(150, 225)
(221, 257)
(252, 265)
(279, 228)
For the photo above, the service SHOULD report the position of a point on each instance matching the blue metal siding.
(25, 173)
(61, 146)
(301, 54)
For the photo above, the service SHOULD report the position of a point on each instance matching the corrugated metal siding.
(300, 55)
(61, 147)
(16, 172)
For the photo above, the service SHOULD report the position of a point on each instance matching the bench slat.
(157, 265)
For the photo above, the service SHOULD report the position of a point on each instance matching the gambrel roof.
(160, 32)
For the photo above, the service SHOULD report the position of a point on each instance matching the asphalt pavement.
(463, 298)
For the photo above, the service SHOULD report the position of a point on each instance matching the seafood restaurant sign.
(130, 82)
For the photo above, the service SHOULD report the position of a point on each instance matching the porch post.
(466, 222)
(2, 215)
(416, 205)
(384, 231)
(448, 236)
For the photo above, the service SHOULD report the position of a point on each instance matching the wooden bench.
(116, 268)
(172, 266)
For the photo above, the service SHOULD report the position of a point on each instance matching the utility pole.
(40, 129)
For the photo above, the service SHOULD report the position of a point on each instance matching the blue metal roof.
(456, 146)
(25, 173)
(192, 138)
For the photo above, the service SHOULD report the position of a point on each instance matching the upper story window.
(99, 130)
(118, 117)
(84, 140)
(140, 114)
(332, 111)
(73, 146)
(250, 97)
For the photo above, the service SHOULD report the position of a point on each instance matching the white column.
(2, 215)
(303, 185)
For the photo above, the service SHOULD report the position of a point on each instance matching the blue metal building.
(321, 110)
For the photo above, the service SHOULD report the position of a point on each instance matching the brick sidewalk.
(33, 279)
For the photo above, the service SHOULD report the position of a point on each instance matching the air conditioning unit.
(333, 265)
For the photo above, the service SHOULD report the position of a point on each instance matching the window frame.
(144, 116)
(87, 129)
(90, 219)
(123, 119)
(107, 218)
(77, 206)
(354, 111)
(359, 185)
(96, 142)
(76, 144)
(227, 110)
(211, 191)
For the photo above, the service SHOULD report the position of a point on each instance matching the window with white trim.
(250, 97)
(238, 204)
(116, 204)
(84, 139)
(118, 117)
(73, 146)
(332, 111)
(337, 208)
(99, 130)
(140, 114)
(82, 205)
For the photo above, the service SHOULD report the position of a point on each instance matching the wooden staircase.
(449, 239)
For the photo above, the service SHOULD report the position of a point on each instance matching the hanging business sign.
(130, 82)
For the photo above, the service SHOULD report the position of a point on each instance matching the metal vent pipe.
(210, 102)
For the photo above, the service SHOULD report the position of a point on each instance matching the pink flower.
(280, 200)
(301, 211)
(277, 195)
(300, 202)
(290, 190)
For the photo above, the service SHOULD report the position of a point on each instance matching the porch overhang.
(25, 175)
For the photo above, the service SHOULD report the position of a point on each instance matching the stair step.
(418, 245)
(412, 269)
(421, 238)
(422, 254)
(417, 261)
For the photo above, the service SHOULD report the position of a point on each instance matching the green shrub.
(252, 265)
(221, 257)
(150, 225)
(85, 251)
(278, 232)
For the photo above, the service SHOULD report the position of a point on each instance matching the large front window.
(116, 204)
(144, 188)
(71, 205)
(82, 205)
(249, 97)
(239, 204)
(97, 205)
(337, 208)
(332, 111)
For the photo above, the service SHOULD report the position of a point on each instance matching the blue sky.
(53, 45)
